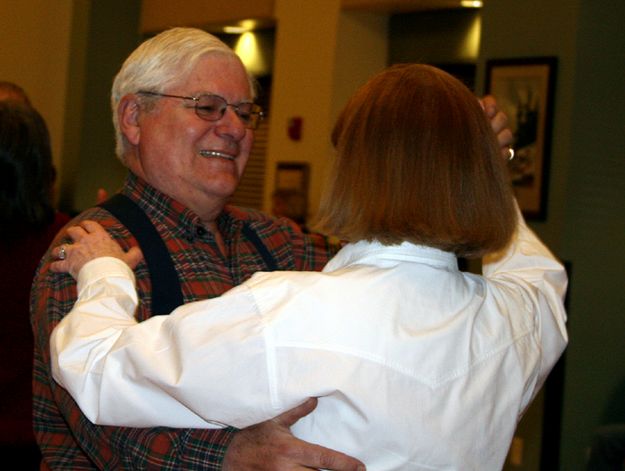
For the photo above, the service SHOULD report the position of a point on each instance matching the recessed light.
(234, 29)
(471, 3)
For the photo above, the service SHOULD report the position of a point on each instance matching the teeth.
(214, 153)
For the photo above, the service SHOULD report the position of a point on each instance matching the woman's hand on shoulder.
(90, 241)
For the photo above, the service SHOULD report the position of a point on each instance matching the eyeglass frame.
(257, 110)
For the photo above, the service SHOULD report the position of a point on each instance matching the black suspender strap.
(166, 291)
(264, 252)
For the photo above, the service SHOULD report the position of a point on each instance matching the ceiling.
(396, 6)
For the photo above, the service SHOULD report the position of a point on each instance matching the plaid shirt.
(67, 439)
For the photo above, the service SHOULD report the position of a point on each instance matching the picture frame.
(292, 175)
(525, 91)
(290, 195)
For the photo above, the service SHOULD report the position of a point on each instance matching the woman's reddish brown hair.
(418, 161)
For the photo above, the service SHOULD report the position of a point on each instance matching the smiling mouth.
(216, 154)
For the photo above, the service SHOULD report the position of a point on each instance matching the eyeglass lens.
(213, 107)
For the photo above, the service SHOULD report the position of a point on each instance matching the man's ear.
(128, 115)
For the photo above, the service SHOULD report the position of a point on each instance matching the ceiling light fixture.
(472, 3)
(241, 27)
(234, 29)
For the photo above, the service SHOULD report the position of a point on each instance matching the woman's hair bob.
(417, 161)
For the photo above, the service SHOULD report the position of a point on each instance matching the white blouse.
(418, 366)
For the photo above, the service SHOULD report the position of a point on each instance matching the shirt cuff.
(103, 267)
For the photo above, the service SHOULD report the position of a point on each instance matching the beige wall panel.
(322, 55)
(35, 54)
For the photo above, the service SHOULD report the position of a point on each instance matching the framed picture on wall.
(290, 196)
(524, 89)
(292, 175)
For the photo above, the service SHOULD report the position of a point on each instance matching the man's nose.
(231, 124)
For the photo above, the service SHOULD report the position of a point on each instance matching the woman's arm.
(528, 270)
(156, 373)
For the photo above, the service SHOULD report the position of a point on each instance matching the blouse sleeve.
(180, 370)
(528, 271)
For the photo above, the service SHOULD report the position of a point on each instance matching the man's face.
(172, 138)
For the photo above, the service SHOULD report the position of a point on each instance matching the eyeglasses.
(213, 108)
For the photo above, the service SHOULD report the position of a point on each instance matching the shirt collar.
(375, 253)
(161, 207)
(179, 218)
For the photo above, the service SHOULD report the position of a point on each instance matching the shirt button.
(200, 231)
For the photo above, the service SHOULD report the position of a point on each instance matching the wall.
(65, 56)
(313, 77)
(302, 85)
(361, 51)
(594, 229)
(449, 39)
(35, 54)
(99, 52)
(586, 205)
(435, 37)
